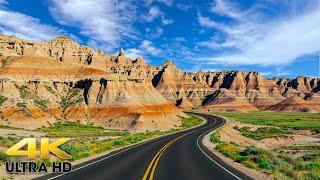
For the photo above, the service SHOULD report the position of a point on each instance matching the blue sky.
(275, 37)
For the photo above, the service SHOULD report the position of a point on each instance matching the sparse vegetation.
(49, 89)
(87, 140)
(279, 162)
(190, 122)
(4, 157)
(4, 62)
(2, 99)
(76, 130)
(292, 120)
(24, 91)
(42, 104)
(281, 166)
(214, 137)
(73, 97)
(9, 141)
(262, 132)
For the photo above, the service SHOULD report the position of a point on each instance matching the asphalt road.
(177, 156)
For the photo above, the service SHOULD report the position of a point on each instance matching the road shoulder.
(249, 172)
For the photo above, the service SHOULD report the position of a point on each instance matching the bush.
(70, 149)
(214, 137)
(264, 164)
(119, 143)
(250, 150)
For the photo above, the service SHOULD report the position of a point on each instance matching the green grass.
(82, 148)
(262, 132)
(2, 99)
(281, 166)
(76, 130)
(280, 162)
(9, 141)
(214, 137)
(190, 122)
(4, 157)
(309, 121)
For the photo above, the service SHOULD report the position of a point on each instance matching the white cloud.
(166, 21)
(180, 39)
(183, 7)
(166, 2)
(277, 41)
(149, 48)
(223, 7)
(133, 53)
(104, 21)
(17, 24)
(207, 22)
(3, 2)
(146, 48)
(154, 13)
(158, 32)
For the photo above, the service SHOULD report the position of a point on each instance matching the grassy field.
(287, 162)
(87, 140)
(309, 121)
(280, 165)
(262, 132)
(77, 130)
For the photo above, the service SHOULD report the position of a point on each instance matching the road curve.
(177, 156)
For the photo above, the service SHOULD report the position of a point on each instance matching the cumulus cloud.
(105, 21)
(21, 25)
(155, 12)
(149, 48)
(146, 48)
(133, 53)
(273, 41)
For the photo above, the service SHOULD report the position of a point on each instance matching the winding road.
(177, 156)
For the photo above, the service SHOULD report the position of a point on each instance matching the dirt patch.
(23, 133)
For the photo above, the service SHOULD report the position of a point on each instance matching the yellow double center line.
(153, 164)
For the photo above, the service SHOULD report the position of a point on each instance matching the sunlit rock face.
(81, 84)
(40, 89)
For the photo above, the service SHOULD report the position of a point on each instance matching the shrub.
(214, 137)
(70, 149)
(264, 164)
(119, 143)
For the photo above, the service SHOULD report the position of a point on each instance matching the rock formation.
(121, 82)
(41, 91)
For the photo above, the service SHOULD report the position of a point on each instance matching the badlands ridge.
(43, 82)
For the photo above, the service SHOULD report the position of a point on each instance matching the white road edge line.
(139, 144)
(210, 157)
(94, 162)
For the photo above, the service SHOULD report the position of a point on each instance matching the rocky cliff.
(235, 90)
(39, 89)
(119, 92)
